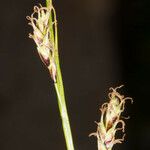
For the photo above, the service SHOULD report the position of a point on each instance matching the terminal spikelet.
(39, 20)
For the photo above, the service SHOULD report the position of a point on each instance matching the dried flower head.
(110, 118)
(39, 20)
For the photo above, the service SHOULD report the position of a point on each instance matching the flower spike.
(39, 20)
(110, 119)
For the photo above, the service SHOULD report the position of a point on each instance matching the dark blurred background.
(102, 44)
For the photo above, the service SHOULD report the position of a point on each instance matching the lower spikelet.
(110, 118)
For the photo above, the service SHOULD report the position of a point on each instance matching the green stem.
(59, 83)
(65, 120)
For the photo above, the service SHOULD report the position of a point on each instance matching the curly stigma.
(110, 119)
(42, 36)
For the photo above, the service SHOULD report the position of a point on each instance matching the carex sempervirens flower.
(39, 20)
(110, 119)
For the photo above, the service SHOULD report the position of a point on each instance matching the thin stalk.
(59, 83)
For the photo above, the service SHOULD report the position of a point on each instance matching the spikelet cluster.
(39, 20)
(110, 118)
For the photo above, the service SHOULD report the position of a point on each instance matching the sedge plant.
(44, 23)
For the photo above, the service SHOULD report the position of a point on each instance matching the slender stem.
(65, 120)
(59, 83)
